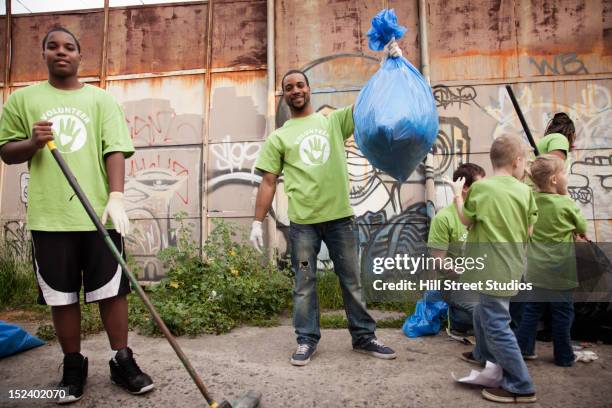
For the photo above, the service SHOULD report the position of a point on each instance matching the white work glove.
(392, 50)
(457, 186)
(116, 210)
(256, 237)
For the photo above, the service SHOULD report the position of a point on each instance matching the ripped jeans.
(341, 239)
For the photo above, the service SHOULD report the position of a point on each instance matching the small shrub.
(229, 285)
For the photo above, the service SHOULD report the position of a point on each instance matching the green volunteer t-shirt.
(501, 209)
(549, 143)
(551, 259)
(310, 153)
(446, 232)
(87, 124)
(553, 141)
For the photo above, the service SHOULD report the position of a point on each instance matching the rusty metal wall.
(192, 81)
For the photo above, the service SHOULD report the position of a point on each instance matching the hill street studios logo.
(68, 128)
(314, 147)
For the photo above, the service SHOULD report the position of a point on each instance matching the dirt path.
(257, 358)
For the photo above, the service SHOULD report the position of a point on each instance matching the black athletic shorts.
(62, 260)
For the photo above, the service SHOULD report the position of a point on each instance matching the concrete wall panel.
(29, 31)
(157, 38)
(162, 111)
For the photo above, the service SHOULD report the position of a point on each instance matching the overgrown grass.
(17, 281)
(330, 295)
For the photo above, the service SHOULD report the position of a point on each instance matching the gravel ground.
(258, 358)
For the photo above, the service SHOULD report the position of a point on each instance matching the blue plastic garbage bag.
(396, 122)
(427, 317)
(14, 339)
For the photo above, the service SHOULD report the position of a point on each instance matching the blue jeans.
(495, 342)
(562, 313)
(341, 239)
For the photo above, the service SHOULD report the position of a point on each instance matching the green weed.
(229, 285)
(17, 280)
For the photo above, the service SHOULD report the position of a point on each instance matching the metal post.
(103, 61)
(206, 127)
(271, 108)
(430, 187)
(7, 77)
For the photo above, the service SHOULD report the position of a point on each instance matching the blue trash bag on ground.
(13, 339)
(427, 317)
(396, 121)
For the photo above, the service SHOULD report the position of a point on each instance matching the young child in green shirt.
(500, 212)
(447, 235)
(551, 262)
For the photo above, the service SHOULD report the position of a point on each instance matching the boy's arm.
(532, 214)
(115, 208)
(115, 168)
(457, 187)
(579, 222)
(15, 152)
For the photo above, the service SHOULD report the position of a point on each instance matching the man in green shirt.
(447, 235)
(90, 131)
(309, 151)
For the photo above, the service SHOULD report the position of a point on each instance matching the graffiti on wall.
(154, 122)
(446, 96)
(160, 183)
(561, 64)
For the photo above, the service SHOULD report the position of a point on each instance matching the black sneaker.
(376, 349)
(302, 354)
(73, 379)
(126, 373)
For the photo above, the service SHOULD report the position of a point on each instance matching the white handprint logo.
(70, 133)
(314, 150)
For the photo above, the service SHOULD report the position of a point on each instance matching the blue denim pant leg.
(305, 243)
(341, 239)
(481, 351)
(495, 339)
(528, 329)
(562, 313)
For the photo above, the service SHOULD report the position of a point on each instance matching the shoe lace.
(377, 342)
(302, 349)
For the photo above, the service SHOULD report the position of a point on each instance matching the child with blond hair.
(551, 263)
(500, 212)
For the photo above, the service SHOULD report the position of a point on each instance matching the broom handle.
(519, 112)
(117, 255)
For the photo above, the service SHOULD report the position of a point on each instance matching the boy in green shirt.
(447, 234)
(500, 212)
(90, 131)
(551, 262)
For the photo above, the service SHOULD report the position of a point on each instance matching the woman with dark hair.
(559, 136)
